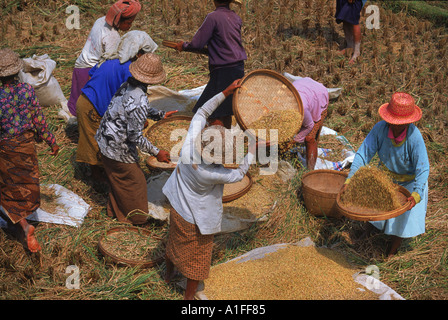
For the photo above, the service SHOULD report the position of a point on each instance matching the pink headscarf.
(122, 9)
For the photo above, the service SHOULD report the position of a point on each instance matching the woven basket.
(236, 190)
(150, 134)
(131, 262)
(263, 92)
(320, 189)
(363, 214)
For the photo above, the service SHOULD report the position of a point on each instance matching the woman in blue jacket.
(402, 153)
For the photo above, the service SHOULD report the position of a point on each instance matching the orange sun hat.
(400, 110)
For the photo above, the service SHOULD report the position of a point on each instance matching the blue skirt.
(220, 79)
(409, 224)
(349, 12)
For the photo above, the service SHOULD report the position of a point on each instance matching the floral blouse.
(20, 111)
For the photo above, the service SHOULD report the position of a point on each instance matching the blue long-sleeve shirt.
(104, 83)
(408, 159)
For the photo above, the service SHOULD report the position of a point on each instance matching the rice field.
(408, 53)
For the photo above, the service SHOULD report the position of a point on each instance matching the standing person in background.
(21, 124)
(402, 154)
(349, 12)
(103, 38)
(220, 33)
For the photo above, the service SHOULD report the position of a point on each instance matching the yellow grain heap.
(371, 187)
(291, 273)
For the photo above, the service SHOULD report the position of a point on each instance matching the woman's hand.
(232, 87)
(54, 150)
(170, 113)
(163, 156)
(412, 200)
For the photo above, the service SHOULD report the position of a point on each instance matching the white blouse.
(195, 190)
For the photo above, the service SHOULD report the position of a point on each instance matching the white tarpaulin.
(70, 210)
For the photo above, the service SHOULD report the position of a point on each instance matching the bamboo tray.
(264, 92)
(364, 214)
(236, 190)
(149, 262)
(151, 161)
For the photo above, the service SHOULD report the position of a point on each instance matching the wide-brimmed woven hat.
(400, 110)
(10, 62)
(148, 69)
(217, 153)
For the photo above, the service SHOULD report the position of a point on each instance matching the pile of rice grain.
(160, 135)
(285, 121)
(371, 187)
(291, 273)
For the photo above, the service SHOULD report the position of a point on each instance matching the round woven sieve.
(238, 189)
(148, 262)
(161, 132)
(364, 214)
(267, 93)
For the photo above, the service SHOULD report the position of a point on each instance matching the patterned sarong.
(19, 176)
(188, 249)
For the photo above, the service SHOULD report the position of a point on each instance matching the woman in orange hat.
(402, 153)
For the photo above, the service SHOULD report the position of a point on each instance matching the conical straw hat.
(148, 69)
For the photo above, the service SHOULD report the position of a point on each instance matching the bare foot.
(354, 58)
(33, 244)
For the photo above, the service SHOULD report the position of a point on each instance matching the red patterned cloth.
(123, 9)
(19, 176)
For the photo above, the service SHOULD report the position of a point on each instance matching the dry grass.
(406, 54)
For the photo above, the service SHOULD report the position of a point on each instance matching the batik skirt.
(19, 176)
(188, 249)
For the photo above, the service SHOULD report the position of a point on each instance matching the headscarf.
(131, 43)
(122, 9)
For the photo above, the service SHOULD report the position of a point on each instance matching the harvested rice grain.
(290, 273)
(371, 187)
(287, 122)
(257, 201)
(162, 136)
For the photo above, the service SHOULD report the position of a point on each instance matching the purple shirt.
(315, 100)
(221, 33)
